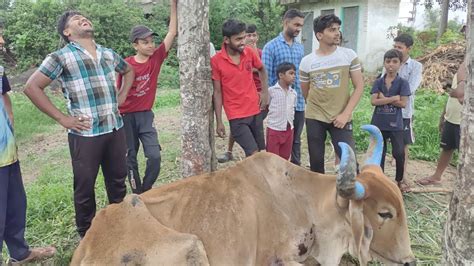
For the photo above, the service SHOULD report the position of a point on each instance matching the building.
(365, 25)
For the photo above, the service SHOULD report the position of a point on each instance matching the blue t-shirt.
(8, 154)
(389, 117)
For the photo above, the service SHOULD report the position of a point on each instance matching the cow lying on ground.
(262, 211)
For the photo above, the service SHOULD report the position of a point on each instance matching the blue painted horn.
(346, 184)
(374, 152)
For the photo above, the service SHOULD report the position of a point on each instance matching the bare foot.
(36, 254)
(428, 181)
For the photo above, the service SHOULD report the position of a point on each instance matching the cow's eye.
(386, 215)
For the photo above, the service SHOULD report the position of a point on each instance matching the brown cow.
(262, 211)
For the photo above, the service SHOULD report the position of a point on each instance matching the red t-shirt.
(239, 94)
(256, 77)
(143, 91)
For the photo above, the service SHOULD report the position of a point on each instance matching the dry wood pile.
(440, 65)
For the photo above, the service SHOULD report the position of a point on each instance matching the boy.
(235, 90)
(410, 70)
(389, 95)
(282, 112)
(12, 192)
(324, 76)
(136, 110)
(251, 40)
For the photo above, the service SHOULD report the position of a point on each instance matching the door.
(350, 27)
(307, 33)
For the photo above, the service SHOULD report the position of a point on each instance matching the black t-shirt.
(389, 117)
(5, 84)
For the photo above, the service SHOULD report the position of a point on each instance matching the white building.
(365, 25)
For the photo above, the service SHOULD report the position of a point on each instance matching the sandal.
(36, 254)
(404, 187)
(427, 181)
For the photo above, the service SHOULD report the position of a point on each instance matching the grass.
(50, 218)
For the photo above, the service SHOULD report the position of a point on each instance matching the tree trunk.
(197, 147)
(443, 21)
(459, 234)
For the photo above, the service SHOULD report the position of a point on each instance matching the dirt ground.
(169, 122)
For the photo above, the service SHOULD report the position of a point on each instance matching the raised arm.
(172, 28)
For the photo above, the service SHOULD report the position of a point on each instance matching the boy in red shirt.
(235, 90)
(136, 110)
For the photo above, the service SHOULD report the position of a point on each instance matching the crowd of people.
(109, 115)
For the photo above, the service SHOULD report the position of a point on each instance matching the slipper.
(36, 254)
(404, 187)
(427, 181)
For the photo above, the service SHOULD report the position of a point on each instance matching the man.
(251, 40)
(285, 48)
(411, 70)
(234, 89)
(136, 110)
(12, 192)
(86, 71)
(325, 75)
(450, 131)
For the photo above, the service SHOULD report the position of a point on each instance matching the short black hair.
(293, 13)
(405, 39)
(251, 28)
(232, 27)
(283, 67)
(323, 22)
(62, 22)
(393, 53)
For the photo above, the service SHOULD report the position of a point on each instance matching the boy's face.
(288, 77)
(236, 42)
(293, 27)
(402, 48)
(331, 35)
(251, 38)
(392, 65)
(2, 42)
(145, 47)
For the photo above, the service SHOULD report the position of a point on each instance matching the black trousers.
(88, 154)
(13, 212)
(248, 132)
(398, 151)
(317, 132)
(298, 124)
(139, 127)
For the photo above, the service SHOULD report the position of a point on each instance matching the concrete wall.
(375, 17)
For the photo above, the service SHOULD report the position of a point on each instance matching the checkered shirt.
(88, 84)
(278, 51)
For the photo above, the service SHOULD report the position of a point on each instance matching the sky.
(406, 7)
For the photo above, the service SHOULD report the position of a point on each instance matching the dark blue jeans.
(13, 212)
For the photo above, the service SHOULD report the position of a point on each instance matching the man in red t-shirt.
(251, 40)
(136, 110)
(235, 90)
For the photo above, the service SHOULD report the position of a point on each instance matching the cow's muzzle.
(411, 263)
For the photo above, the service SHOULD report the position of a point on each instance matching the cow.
(262, 211)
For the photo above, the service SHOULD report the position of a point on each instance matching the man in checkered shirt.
(86, 71)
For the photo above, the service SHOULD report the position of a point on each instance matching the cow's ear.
(361, 230)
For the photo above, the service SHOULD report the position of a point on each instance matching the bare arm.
(127, 80)
(461, 79)
(378, 99)
(8, 107)
(358, 82)
(35, 91)
(305, 89)
(264, 94)
(402, 102)
(172, 28)
(217, 97)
